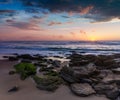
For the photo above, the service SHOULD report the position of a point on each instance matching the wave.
(61, 46)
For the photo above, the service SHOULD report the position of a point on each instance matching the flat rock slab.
(82, 89)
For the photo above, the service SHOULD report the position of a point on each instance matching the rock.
(56, 63)
(85, 71)
(49, 83)
(14, 89)
(51, 73)
(46, 68)
(118, 98)
(67, 74)
(65, 63)
(5, 56)
(26, 61)
(29, 57)
(79, 62)
(41, 64)
(116, 71)
(104, 73)
(83, 80)
(102, 88)
(113, 95)
(111, 78)
(25, 56)
(82, 89)
(75, 74)
(25, 70)
(12, 58)
(12, 72)
(105, 62)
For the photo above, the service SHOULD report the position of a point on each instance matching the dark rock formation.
(14, 89)
(83, 89)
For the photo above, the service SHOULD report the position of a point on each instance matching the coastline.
(28, 89)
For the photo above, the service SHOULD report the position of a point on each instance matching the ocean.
(59, 48)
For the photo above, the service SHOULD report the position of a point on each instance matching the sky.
(59, 20)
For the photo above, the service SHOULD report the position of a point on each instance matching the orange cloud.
(86, 10)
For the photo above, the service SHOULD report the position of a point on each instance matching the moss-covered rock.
(52, 73)
(25, 69)
(49, 83)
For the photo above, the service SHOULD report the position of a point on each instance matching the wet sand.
(28, 91)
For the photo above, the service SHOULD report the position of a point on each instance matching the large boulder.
(85, 71)
(102, 88)
(113, 94)
(111, 78)
(105, 62)
(104, 73)
(75, 74)
(82, 89)
(110, 90)
(67, 74)
(48, 83)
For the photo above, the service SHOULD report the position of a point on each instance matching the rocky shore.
(85, 75)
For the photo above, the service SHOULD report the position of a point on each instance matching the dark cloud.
(24, 25)
(5, 1)
(99, 10)
(6, 11)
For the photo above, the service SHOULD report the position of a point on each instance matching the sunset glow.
(21, 21)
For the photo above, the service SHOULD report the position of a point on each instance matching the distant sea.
(53, 48)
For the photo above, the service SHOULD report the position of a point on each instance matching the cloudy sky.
(59, 20)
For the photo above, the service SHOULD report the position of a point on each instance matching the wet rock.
(12, 58)
(12, 72)
(25, 56)
(116, 71)
(85, 71)
(82, 89)
(118, 98)
(26, 61)
(90, 58)
(83, 80)
(29, 57)
(5, 56)
(111, 78)
(56, 63)
(105, 62)
(65, 63)
(14, 89)
(79, 62)
(49, 83)
(102, 88)
(113, 95)
(104, 73)
(25, 70)
(67, 74)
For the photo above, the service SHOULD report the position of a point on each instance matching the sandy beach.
(28, 89)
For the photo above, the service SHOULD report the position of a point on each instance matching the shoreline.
(28, 89)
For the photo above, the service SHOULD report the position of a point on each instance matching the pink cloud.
(54, 23)
(86, 10)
